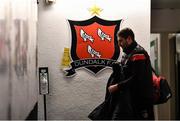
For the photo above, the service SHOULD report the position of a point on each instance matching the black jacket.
(138, 66)
(134, 78)
(119, 103)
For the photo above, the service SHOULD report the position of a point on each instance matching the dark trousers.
(145, 114)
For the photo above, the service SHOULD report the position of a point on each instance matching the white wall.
(74, 98)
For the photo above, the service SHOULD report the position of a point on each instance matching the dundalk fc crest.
(94, 44)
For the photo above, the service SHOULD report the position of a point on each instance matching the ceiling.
(165, 4)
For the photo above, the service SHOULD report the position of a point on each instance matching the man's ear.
(129, 40)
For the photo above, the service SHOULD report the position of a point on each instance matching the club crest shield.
(94, 43)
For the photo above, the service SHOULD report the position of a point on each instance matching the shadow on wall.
(33, 114)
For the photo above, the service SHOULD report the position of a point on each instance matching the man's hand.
(113, 88)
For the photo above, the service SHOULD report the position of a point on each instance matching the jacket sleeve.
(125, 83)
(107, 85)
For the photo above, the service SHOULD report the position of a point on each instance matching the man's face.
(122, 42)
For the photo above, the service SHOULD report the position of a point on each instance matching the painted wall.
(74, 98)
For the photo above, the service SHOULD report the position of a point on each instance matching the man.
(137, 76)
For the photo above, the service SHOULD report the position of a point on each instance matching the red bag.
(161, 89)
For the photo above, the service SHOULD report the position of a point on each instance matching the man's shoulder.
(138, 57)
(139, 54)
(139, 50)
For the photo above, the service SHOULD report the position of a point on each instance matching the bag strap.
(153, 70)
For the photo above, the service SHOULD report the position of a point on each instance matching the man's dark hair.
(125, 33)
